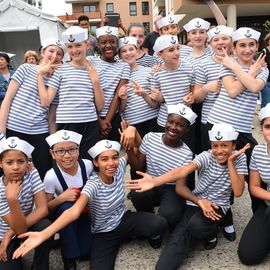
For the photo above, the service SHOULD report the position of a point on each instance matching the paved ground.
(138, 255)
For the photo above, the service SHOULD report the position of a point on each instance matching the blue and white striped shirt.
(106, 202)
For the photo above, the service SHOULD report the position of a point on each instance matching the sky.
(56, 7)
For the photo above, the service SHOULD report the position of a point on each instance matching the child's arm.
(5, 106)
(216, 12)
(123, 95)
(237, 180)
(148, 182)
(36, 238)
(15, 218)
(201, 91)
(98, 92)
(255, 186)
(46, 94)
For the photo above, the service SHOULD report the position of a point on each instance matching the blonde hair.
(30, 53)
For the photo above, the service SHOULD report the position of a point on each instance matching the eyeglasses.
(62, 152)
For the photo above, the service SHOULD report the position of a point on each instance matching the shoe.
(229, 236)
(70, 264)
(208, 245)
(155, 242)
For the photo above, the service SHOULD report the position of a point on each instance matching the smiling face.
(66, 155)
(245, 50)
(128, 53)
(176, 126)
(137, 32)
(197, 37)
(77, 51)
(52, 54)
(108, 47)
(222, 150)
(219, 42)
(107, 162)
(14, 164)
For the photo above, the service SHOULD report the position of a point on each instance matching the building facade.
(130, 11)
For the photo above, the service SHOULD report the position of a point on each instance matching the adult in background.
(151, 38)
(83, 21)
(5, 74)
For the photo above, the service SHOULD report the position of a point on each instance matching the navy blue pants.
(76, 237)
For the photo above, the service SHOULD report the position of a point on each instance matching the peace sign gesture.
(226, 60)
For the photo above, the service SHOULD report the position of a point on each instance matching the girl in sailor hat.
(76, 88)
(115, 73)
(22, 112)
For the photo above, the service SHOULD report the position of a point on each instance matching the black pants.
(193, 225)
(41, 256)
(90, 135)
(41, 157)
(105, 246)
(255, 241)
(171, 204)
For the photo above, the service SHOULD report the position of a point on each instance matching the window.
(145, 8)
(146, 26)
(132, 9)
(93, 28)
(91, 8)
(109, 7)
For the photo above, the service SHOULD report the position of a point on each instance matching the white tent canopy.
(23, 27)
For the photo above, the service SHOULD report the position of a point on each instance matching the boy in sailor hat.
(222, 170)
(63, 184)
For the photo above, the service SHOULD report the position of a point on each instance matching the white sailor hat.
(170, 19)
(103, 145)
(14, 143)
(196, 23)
(222, 132)
(107, 30)
(220, 30)
(75, 34)
(264, 112)
(245, 32)
(54, 41)
(127, 41)
(165, 41)
(183, 111)
(64, 136)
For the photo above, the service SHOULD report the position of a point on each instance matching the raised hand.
(226, 60)
(138, 90)
(233, 156)
(156, 95)
(92, 73)
(208, 209)
(47, 69)
(141, 185)
(188, 99)
(257, 66)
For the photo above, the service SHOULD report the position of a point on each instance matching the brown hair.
(267, 38)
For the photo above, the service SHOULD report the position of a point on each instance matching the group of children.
(162, 128)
